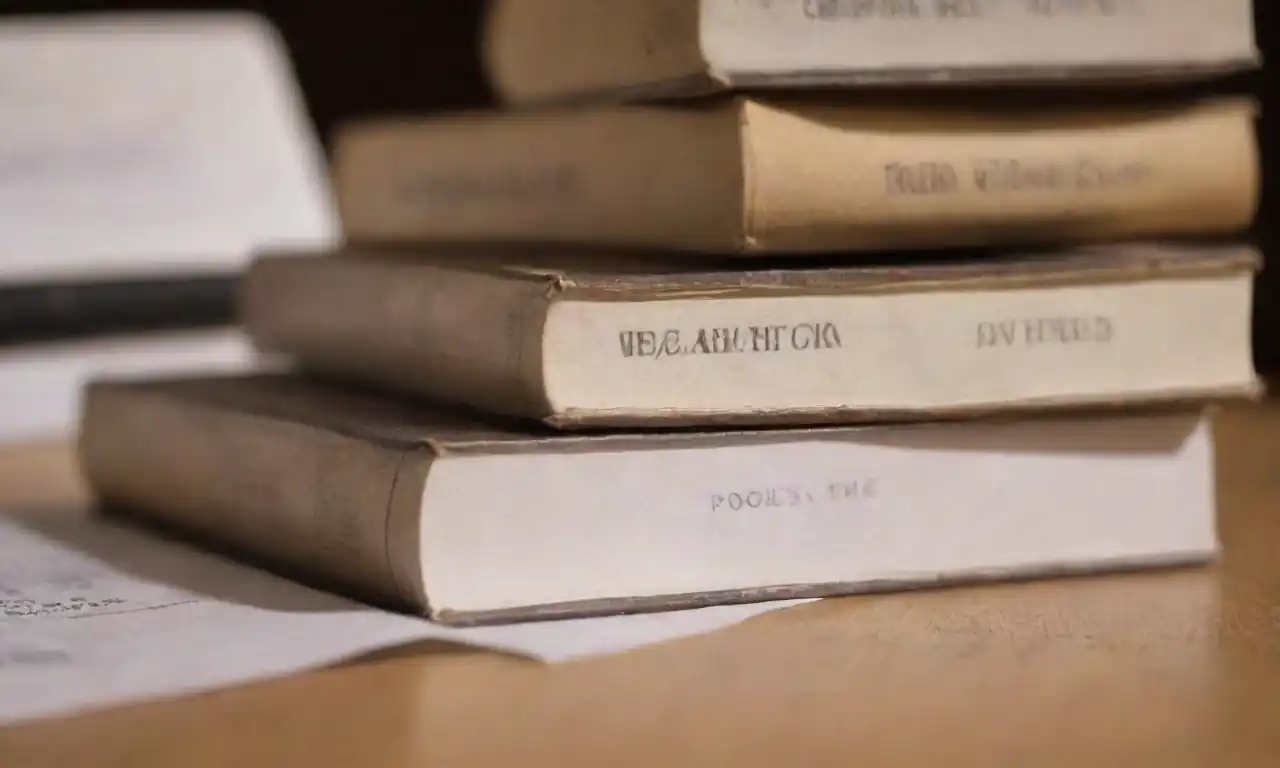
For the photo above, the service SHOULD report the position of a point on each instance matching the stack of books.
(740, 300)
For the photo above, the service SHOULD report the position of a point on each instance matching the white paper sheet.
(133, 143)
(94, 613)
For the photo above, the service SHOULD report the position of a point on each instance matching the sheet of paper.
(134, 143)
(94, 613)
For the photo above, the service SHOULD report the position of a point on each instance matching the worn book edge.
(694, 600)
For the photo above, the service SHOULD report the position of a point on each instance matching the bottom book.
(469, 521)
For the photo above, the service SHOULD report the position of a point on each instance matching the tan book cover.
(543, 51)
(472, 521)
(741, 175)
(582, 339)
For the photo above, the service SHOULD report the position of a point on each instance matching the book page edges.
(580, 609)
(1100, 265)
(296, 498)
(580, 418)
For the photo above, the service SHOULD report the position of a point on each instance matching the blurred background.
(377, 56)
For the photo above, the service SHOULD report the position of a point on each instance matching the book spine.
(799, 42)
(755, 517)
(821, 178)
(922, 354)
(333, 509)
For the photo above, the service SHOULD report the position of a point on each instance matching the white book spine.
(924, 351)
(848, 510)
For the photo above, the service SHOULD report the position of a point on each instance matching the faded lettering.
(71, 606)
(1041, 331)
(791, 496)
(1059, 8)
(1011, 175)
(924, 178)
(828, 10)
(818, 336)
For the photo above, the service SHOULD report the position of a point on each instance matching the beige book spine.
(826, 178)
(335, 509)
(927, 352)
(742, 176)
(451, 334)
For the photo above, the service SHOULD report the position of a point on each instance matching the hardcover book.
(593, 339)
(803, 175)
(470, 521)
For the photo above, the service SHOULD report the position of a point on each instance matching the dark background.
(378, 56)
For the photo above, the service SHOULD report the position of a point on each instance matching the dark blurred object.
(379, 56)
(67, 311)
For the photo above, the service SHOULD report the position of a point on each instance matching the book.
(753, 176)
(544, 51)
(466, 521)
(581, 339)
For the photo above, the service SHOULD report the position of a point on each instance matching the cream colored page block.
(910, 351)
(825, 176)
(758, 38)
(613, 524)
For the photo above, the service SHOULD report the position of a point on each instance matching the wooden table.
(1175, 669)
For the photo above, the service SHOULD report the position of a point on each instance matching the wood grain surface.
(1172, 669)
